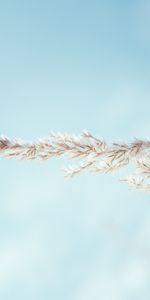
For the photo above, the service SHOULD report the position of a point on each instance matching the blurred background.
(65, 66)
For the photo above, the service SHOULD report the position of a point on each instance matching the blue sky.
(66, 66)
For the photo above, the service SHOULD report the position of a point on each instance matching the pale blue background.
(66, 66)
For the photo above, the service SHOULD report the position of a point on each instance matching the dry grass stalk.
(95, 154)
